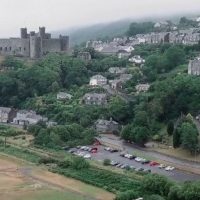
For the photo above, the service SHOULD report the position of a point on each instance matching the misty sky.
(62, 14)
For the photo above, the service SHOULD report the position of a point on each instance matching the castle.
(33, 45)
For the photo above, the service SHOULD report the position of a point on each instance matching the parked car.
(154, 163)
(161, 166)
(119, 165)
(169, 168)
(113, 150)
(145, 162)
(122, 154)
(107, 148)
(147, 170)
(138, 159)
(72, 150)
(87, 156)
(114, 163)
(132, 167)
(125, 166)
(139, 169)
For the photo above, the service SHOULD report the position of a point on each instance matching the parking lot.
(123, 162)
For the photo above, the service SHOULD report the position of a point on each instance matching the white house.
(142, 87)
(98, 80)
(137, 60)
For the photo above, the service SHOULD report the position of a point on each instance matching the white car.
(87, 156)
(161, 166)
(169, 168)
(81, 154)
(138, 159)
(107, 148)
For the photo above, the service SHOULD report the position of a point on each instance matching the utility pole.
(5, 141)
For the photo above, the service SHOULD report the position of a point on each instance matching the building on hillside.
(125, 77)
(194, 67)
(98, 80)
(85, 56)
(7, 114)
(116, 84)
(95, 99)
(142, 87)
(33, 45)
(106, 126)
(117, 70)
(25, 117)
(123, 54)
(137, 60)
(63, 96)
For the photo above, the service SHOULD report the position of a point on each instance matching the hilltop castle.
(33, 45)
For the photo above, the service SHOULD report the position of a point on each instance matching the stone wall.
(15, 46)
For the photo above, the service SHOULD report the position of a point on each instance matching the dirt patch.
(22, 181)
(72, 184)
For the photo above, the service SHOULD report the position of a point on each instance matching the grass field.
(22, 181)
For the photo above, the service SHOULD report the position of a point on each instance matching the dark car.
(146, 162)
(113, 150)
(122, 154)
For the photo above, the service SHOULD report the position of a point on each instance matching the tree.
(176, 138)
(189, 137)
(156, 184)
(141, 118)
(140, 135)
(170, 128)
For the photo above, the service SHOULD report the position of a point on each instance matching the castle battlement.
(33, 45)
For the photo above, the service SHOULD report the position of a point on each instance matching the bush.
(79, 163)
(106, 162)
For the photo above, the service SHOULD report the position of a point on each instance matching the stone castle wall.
(33, 45)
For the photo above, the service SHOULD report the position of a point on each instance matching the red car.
(153, 163)
(94, 150)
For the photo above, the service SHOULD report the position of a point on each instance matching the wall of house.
(51, 45)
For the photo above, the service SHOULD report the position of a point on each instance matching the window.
(10, 48)
(24, 48)
(1, 48)
(6, 48)
(20, 48)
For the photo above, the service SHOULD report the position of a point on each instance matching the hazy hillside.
(80, 35)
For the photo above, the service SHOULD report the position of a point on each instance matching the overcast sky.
(62, 14)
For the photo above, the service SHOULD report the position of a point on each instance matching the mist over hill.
(79, 35)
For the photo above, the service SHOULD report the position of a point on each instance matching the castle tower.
(24, 34)
(42, 33)
(64, 43)
(35, 46)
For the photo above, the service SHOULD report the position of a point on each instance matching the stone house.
(194, 67)
(125, 77)
(25, 117)
(117, 70)
(98, 80)
(142, 87)
(106, 126)
(85, 56)
(116, 84)
(7, 114)
(63, 96)
(94, 99)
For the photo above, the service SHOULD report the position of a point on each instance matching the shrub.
(106, 162)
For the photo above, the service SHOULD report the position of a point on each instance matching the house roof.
(105, 122)
(96, 95)
(64, 95)
(98, 77)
